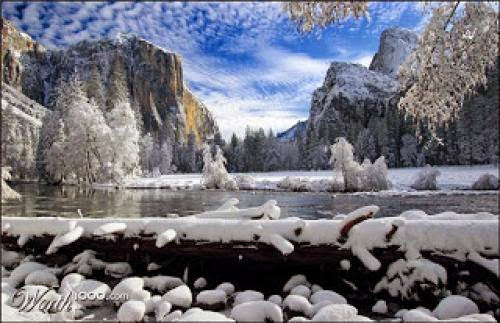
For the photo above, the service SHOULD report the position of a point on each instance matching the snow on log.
(268, 210)
(357, 216)
(64, 239)
(109, 228)
(165, 237)
(490, 264)
(299, 240)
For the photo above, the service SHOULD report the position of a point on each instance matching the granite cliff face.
(153, 75)
(395, 46)
(361, 105)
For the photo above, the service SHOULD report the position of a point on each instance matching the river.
(46, 200)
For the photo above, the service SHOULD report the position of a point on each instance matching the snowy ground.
(451, 178)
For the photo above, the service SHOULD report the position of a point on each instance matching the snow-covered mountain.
(395, 46)
(361, 104)
(154, 77)
(291, 133)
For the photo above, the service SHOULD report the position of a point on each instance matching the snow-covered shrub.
(486, 182)
(426, 179)
(358, 178)
(413, 279)
(7, 192)
(215, 174)
(245, 182)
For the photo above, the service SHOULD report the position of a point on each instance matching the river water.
(46, 200)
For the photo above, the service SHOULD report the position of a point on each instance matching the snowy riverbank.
(451, 178)
(422, 275)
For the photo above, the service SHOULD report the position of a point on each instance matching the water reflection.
(46, 200)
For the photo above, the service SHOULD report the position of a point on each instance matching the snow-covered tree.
(215, 174)
(457, 47)
(426, 179)
(55, 164)
(189, 154)
(124, 141)
(146, 146)
(408, 152)
(365, 145)
(85, 146)
(364, 177)
(309, 15)
(95, 87)
(7, 192)
(166, 157)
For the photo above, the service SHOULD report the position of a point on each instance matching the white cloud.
(364, 59)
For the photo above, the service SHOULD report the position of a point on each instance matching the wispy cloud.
(244, 60)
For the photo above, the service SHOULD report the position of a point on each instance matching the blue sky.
(244, 60)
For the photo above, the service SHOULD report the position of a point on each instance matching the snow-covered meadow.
(451, 178)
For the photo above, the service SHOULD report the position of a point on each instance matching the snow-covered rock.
(228, 288)
(152, 303)
(10, 258)
(118, 269)
(180, 296)
(162, 309)
(301, 290)
(173, 316)
(19, 274)
(200, 283)
(416, 315)
(380, 307)
(162, 283)
(276, 299)
(295, 281)
(315, 288)
(402, 275)
(197, 315)
(336, 312)
(298, 303)
(211, 298)
(131, 311)
(327, 295)
(42, 277)
(345, 264)
(132, 287)
(455, 306)
(257, 311)
(247, 296)
(94, 292)
(153, 266)
(70, 282)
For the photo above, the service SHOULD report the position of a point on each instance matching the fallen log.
(237, 249)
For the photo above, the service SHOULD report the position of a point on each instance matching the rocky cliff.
(153, 75)
(395, 46)
(361, 105)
